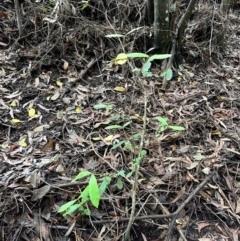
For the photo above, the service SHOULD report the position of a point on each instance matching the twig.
(176, 213)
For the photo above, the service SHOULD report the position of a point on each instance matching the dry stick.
(19, 20)
(201, 185)
(171, 215)
(126, 236)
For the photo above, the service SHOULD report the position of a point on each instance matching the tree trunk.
(150, 11)
(161, 25)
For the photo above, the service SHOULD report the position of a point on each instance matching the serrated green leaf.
(106, 181)
(113, 127)
(65, 206)
(119, 183)
(177, 128)
(81, 175)
(94, 192)
(159, 56)
(137, 55)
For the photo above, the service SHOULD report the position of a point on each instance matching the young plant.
(92, 192)
(164, 125)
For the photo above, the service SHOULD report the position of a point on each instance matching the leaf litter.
(56, 123)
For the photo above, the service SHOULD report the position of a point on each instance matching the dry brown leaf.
(41, 192)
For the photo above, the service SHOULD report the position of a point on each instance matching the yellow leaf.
(121, 59)
(59, 83)
(15, 121)
(119, 88)
(216, 133)
(13, 104)
(78, 110)
(108, 138)
(31, 112)
(22, 143)
(96, 138)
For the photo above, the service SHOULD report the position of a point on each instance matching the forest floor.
(65, 107)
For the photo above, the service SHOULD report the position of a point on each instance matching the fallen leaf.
(41, 192)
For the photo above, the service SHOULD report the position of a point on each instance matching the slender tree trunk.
(161, 25)
(150, 11)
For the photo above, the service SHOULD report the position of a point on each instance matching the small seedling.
(164, 125)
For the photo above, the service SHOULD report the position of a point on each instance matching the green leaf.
(163, 121)
(66, 206)
(159, 56)
(137, 55)
(106, 181)
(136, 70)
(113, 127)
(115, 35)
(169, 74)
(117, 145)
(177, 128)
(72, 209)
(85, 195)
(81, 175)
(146, 66)
(146, 74)
(128, 146)
(87, 212)
(119, 183)
(129, 174)
(127, 123)
(99, 106)
(136, 136)
(94, 192)
(109, 107)
(115, 117)
(121, 173)
(143, 153)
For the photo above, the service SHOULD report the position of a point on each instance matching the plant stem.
(127, 237)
